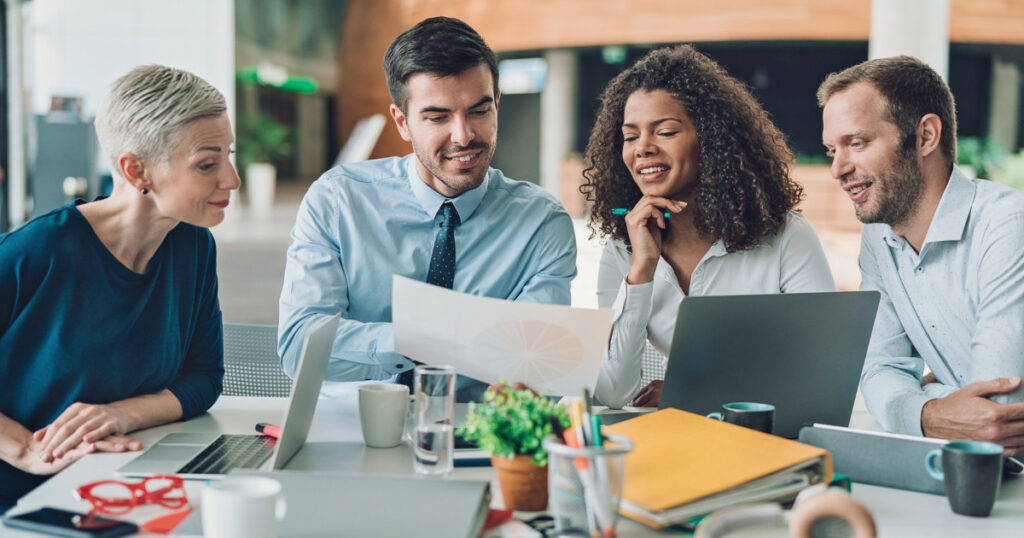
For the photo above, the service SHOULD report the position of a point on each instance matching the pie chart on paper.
(534, 352)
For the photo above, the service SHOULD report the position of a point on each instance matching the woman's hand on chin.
(644, 224)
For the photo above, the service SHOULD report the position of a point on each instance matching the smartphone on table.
(57, 522)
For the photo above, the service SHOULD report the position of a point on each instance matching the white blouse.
(791, 261)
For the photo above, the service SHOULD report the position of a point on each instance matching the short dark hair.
(911, 89)
(744, 189)
(439, 45)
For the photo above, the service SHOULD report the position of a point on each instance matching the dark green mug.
(756, 416)
(971, 471)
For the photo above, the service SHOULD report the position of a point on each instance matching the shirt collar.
(430, 200)
(950, 219)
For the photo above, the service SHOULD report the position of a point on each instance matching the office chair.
(251, 364)
(652, 365)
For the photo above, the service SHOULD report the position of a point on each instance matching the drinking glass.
(433, 440)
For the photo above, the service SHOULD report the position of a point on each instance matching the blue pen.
(623, 211)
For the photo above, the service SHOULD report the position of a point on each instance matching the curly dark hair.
(743, 188)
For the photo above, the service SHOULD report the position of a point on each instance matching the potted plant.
(511, 424)
(261, 140)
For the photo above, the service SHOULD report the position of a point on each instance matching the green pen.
(593, 421)
(623, 211)
(595, 427)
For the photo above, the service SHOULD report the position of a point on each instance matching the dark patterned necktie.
(442, 261)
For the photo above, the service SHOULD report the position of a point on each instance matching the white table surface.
(335, 444)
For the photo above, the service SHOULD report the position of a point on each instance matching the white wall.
(79, 47)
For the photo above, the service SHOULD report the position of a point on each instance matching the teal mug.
(971, 472)
(756, 416)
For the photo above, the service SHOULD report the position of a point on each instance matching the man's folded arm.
(891, 379)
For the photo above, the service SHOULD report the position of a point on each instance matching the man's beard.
(902, 188)
(459, 183)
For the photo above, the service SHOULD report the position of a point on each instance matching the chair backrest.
(652, 365)
(251, 364)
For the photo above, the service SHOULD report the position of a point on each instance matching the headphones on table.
(818, 512)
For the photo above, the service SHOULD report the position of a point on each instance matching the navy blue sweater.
(77, 325)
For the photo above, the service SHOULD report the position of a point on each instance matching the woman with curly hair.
(704, 175)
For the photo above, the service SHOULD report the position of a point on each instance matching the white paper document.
(554, 349)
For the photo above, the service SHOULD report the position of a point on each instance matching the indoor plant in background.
(510, 424)
(261, 140)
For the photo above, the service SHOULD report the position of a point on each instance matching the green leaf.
(511, 422)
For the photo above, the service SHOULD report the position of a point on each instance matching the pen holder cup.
(585, 485)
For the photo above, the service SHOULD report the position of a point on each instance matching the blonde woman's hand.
(79, 423)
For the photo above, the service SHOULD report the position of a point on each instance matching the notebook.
(684, 465)
(343, 504)
(211, 455)
(801, 352)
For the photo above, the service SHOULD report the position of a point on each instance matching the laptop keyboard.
(231, 452)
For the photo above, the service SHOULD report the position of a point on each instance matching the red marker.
(269, 430)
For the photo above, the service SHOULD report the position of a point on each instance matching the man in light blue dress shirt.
(360, 224)
(945, 251)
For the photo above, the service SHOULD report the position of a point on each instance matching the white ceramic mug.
(242, 507)
(382, 411)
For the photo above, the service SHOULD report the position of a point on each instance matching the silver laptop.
(801, 352)
(211, 455)
(331, 504)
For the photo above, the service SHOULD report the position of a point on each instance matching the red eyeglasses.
(116, 497)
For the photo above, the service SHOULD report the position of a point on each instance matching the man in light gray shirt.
(946, 252)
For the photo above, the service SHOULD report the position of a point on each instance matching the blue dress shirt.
(359, 224)
(958, 306)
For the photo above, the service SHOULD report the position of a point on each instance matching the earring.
(145, 192)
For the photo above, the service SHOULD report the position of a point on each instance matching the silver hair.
(147, 109)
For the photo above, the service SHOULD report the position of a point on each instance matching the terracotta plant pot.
(524, 486)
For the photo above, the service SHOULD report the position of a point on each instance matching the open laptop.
(801, 352)
(211, 455)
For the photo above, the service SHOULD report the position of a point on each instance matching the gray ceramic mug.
(971, 471)
(756, 416)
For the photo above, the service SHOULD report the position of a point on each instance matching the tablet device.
(878, 458)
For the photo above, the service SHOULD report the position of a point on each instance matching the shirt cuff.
(905, 412)
(384, 353)
(392, 363)
(634, 302)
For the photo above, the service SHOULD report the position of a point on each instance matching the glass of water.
(433, 440)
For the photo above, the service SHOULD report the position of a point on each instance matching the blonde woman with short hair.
(109, 319)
